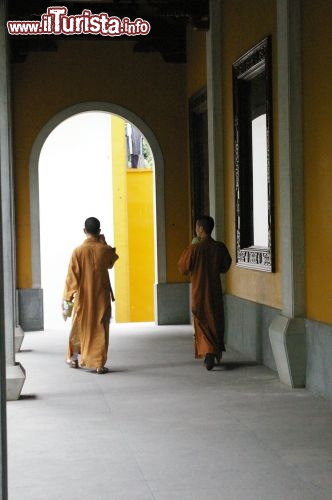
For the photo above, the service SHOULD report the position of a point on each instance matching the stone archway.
(34, 295)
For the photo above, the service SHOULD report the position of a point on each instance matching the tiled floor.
(159, 426)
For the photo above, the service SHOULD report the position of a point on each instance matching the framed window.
(253, 161)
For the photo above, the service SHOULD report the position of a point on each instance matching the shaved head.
(92, 226)
(206, 222)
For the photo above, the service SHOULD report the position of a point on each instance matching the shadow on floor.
(233, 365)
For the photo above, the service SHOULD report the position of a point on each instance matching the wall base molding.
(247, 329)
(19, 336)
(172, 304)
(288, 342)
(15, 378)
(30, 309)
(319, 358)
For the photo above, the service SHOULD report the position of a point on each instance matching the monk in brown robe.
(204, 260)
(88, 285)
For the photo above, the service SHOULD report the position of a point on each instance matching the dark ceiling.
(168, 20)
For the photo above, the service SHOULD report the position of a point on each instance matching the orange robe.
(204, 261)
(88, 283)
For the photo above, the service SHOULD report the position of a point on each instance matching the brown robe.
(204, 261)
(88, 283)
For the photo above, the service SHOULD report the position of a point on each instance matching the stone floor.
(159, 426)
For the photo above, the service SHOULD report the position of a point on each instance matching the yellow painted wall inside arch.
(133, 233)
(141, 244)
(120, 223)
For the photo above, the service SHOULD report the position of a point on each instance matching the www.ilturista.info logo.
(57, 22)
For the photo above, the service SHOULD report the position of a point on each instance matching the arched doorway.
(75, 182)
(158, 185)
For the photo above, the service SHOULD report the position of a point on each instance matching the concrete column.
(19, 336)
(287, 331)
(15, 373)
(214, 104)
(19, 332)
(3, 426)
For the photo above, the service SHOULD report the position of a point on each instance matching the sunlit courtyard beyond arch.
(85, 168)
(75, 182)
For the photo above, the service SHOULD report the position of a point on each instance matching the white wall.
(75, 182)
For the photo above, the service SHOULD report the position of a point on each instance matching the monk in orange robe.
(88, 285)
(204, 260)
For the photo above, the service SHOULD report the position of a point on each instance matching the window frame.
(256, 61)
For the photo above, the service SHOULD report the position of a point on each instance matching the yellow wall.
(196, 61)
(254, 20)
(120, 222)
(317, 103)
(105, 70)
(101, 70)
(243, 25)
(196, 80)
(140, 244)
(133, 233)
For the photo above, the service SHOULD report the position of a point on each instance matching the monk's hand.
(102, 238)
(67, 309)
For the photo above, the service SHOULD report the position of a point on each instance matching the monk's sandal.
(209, 361)
(101, 370)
